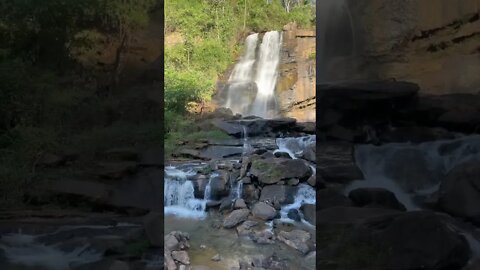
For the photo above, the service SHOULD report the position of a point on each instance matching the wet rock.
(124, 153)
(235, 130)
(297, 239)
(250, 193)
(239, 204)
(293, 182)
(330, 197)
(283, 194)
(281, 155)
(170, 263)
(235, 217)
(218, 152)
(308, 211)
(216, 258)
(141, 190)
(294, 214)
(152, 157)
(171, 242)
(264, 211)
(245, 228)
(117, 170)
(181, 256)
(310, 153)
(227, 204)
(375, 197)
(422, 239)
(335, 162)
(271, 171)
(336, 216)
(459, 193)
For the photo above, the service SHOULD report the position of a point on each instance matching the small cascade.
(179, 198)
(239, 189)
(393, 166)
(247, 148)
(295, 146)
(305, 195)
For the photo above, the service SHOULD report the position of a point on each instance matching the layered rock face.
(432, 43)
(296, 82)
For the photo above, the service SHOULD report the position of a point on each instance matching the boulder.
(309, 211)
(239, 204)
(330, 197)
(235, 217)
(297, 239)
(375, 197)
(281, 193)
(264, 211)
(235, 130)
(335, 162)
(271, 171)
(459, 193)
(421, 240)
(181, 257)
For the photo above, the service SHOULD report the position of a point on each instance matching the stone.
(459, 193)
(216, 258)
(282, 155)
(239, 204)
(264, 211)
(245, 228)
(375, 197)
(335, 162)
(309, 211)
(181, 256)
(124, 153)
(117, 170)
(153, 223)
(283, 194)
(293, 182)
(229, 128)
(171, 242)
(235, 217)
(329, 197)
(297, 239)
(294, 214)
(271, 171)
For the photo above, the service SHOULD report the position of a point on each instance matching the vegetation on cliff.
(202, 41)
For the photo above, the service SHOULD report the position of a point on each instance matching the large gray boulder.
(264, 211)
(235, 217)
(271, 171)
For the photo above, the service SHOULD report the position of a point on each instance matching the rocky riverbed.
(245, 196)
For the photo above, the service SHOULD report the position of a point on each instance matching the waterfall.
(267, 72)
(238, 99)
(295, 146)
(336, 34)
(179, 198)
(250, 88)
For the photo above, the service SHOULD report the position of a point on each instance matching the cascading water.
(179, 198)
(241, 79)
(254, 77)
(305, 195)
(409, 170)
(266, 77)
(336, 34)
(295, 146)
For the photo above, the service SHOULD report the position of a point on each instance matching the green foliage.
(185, 86)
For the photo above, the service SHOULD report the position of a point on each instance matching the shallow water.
(228, 245)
